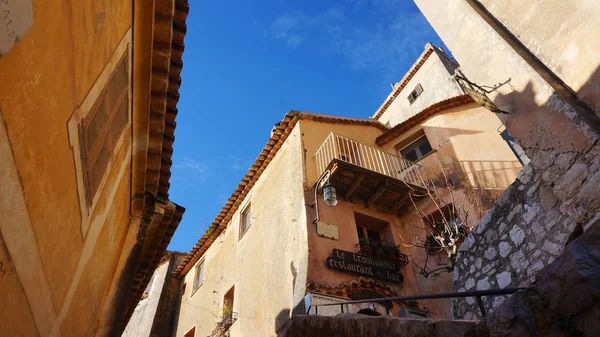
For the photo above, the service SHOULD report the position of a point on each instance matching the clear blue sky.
(247, 63)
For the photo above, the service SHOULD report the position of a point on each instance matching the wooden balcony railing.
(351, 151)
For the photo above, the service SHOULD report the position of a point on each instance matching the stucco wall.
(437, 84)
(140, 324)
(267, 266)
(519, 236)
(45, 77)
(467, 138)
(12, 309)
(563, 34)
(560, 139)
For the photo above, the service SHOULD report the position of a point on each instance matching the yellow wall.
(464, 139)
(45, 78)
(267, 266)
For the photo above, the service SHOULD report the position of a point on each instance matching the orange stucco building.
(88, 100)
(272, 252)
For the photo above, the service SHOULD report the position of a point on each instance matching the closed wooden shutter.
(100, 130)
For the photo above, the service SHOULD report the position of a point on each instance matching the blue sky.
(247, 64)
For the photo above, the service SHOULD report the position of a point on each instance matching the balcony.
(222, 327)
(363, 173)
(383, 250)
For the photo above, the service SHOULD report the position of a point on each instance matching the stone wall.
(558, 131)
(519, 236)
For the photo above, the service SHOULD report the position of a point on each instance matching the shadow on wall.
(499, 171)
(282, 323)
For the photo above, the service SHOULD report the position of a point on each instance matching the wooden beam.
(355, 184)
(377, 193)
(399, 204)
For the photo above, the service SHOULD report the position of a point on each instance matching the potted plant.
(226, 310)
(365, 246)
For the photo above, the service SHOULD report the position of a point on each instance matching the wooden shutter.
(418, 90)
(100, 130)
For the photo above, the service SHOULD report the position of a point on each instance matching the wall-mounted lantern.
(329, 193)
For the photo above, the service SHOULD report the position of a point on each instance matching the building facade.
(89, 94)
(542, 51)
(274, 250)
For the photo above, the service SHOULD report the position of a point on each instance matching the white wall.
(437, 84)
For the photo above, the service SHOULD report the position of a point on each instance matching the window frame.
(415, 93)
(365, 232)
(245, 220)
(87, 207)
(198, 281)
(192, 330)
(416, 148)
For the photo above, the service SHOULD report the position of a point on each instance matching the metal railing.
(359, 154)
(478, 294)
(223, 326)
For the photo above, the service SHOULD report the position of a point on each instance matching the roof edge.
(280, 133)
(446, 104)
(429, 49)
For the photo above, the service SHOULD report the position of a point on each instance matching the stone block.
(531, 211)
(490, 253)
(526, 174)
(504, 279)
(505, 249)
(552, 248)
(571, 284)
(571, 181)
(516, 210)
(483, 284)
(547, 197)
(516, 235)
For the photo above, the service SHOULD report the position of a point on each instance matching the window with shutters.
(415, 93)
(102, 127)
(98, 132)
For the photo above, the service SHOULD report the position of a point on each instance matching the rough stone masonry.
(525, 231)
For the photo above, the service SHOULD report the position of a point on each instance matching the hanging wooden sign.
(365, 265)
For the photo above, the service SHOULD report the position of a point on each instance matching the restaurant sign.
(365, 265)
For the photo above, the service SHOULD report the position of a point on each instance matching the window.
(415, 93)
(369, 229)
(369, 234)
(198, 277)
(228, 302)
(101, 128)
(416, 150)
(246, 220)
(191, 333)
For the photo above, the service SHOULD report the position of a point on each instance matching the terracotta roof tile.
(279, 135)
(404, 82)
(399, 129)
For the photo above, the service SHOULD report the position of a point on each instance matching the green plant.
(227, 310)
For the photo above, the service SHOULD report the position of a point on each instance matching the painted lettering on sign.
(364, 265)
